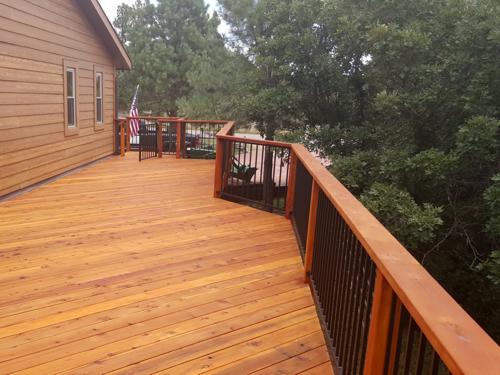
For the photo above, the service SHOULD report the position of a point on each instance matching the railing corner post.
(311, 230)
(218, 167)
(379, 327)
(178, 125)
(159, 139)
(290, 193)
(127, 140)
(122, 139)
(183, 140)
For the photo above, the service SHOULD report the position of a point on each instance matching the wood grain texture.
(380, 321)
(462, 344)
(311, 230)
(35, 38)
(135, 268)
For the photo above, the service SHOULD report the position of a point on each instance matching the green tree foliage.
(268, 98)
(492, 199)
(403, 217)
(217, 85)
(492, 267)
(166, 41)
(404, 97)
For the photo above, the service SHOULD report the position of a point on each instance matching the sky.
(110, 7)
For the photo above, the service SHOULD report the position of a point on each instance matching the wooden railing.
(120, 136)
(254, 171)
(381, 311)
(183, 137)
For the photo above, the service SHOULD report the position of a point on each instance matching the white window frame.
(99, 75)
(70, 66)
(71, 97)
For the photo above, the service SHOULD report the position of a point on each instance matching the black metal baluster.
(409, 346)
(368, 307)
(335, 318)
(250, 192)
(422, 343)
(353, 303)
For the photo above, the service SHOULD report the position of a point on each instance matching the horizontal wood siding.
(35, 38)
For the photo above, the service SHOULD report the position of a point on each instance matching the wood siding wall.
(35, 37)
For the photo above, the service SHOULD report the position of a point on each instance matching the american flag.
(134, 123)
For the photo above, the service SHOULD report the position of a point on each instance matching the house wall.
(35, 37)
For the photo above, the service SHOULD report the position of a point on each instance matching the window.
(71, 97)
(70, 69)
(99, 110)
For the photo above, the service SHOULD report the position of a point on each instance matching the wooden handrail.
(153, 118)
(462, 344)
(173, 119)
(204, 121)
(255, 141)
(227, 129)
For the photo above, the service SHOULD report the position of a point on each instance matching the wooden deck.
(135, 268)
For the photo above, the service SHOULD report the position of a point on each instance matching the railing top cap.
(462, 344)
(174, 119)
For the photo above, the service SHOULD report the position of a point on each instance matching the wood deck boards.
(133, 268)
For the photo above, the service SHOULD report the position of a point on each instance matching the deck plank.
(135, 268)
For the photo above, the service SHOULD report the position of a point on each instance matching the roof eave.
(103, 25)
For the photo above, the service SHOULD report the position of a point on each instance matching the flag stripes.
(134, 113)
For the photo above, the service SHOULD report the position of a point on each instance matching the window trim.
(99, 125)
(67, 65)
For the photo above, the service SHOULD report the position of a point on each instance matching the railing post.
(122, 139)
(116, 136)
(394, 339)
(219, 160)
(228, 153)
(128, 135)
(311, 230)
(379, 327)
(159, 139)
(290, 192)
(178, 125)
(183, 140)
(267, 182)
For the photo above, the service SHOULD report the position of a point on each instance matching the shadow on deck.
(136, 268)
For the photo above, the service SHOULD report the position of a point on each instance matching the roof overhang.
(98, 18)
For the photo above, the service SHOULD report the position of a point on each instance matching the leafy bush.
(478, 142)
(410, 223)
(492, 198)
